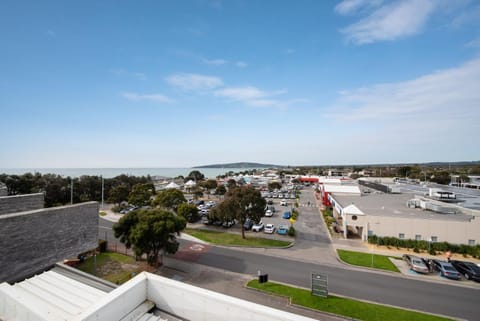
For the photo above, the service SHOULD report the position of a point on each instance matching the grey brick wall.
(3, 190)
(21, 203)
(34, 240)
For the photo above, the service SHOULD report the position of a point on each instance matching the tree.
(274, 185)
(141, 193)
(118, 194)
(196, 176)
(170, 198)
(149, 232)
(241, 203)
(231, 183)
(221, 190)
(210, 184)
(188, 211)
(441, 177)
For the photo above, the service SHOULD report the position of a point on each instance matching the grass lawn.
(365, 259)
(342, 306)
(114, 267)
(223, 238)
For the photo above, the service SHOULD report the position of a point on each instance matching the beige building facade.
(404, 216)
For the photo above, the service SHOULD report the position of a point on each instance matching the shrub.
(291, 231)
(102, 246)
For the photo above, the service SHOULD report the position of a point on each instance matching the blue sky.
(185, 83)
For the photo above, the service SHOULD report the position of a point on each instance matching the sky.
(186, 83)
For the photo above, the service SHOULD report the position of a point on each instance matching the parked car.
(204, 212)
(270, 202)
(206, 220)
(286, 215)
(258, 227)
(271, 208)
(282, 230)
(248, 224)
(268, 213)
(228, 224)
(217, 223)
(446, 269)
(283, 203)
(269, 228)
(469, 270)
(415, 263)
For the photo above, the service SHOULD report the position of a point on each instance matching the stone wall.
(21, 203)
(32, 241)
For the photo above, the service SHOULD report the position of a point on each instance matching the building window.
(418, 237)
(434, 239)
(471, 242)
(401, 236)
(354, 217)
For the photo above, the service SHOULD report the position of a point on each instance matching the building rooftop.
(394, 205)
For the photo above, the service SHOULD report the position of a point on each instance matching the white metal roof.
(49, 296)
(347, 189)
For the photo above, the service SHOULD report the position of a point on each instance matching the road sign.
(320, 285)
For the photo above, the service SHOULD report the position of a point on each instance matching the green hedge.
(426, 246)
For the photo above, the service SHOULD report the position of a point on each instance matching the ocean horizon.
(112, 172)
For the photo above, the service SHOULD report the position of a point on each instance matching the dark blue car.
(286, 215)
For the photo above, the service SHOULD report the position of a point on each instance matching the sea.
(112, 172)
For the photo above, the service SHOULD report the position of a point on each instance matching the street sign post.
(320, 285)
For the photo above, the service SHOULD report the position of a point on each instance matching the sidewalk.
(233, 284)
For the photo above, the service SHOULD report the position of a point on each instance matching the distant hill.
(239, 165)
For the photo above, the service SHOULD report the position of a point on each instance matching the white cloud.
(194, 82)
(241, 93)
(347, 7)
(289, 51)
(158, 98)
(253, 96)
(446, 99)
(241, 64)
(215, 62)
(432, 117)
(391, 21)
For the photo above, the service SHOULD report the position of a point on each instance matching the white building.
(52, 296)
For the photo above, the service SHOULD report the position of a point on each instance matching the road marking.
(197, 247)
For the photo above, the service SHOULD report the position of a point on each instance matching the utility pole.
(103, 189)
(71, 191)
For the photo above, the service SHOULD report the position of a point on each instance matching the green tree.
(118, 194)
(189, 212)
(210, 184)
(221, 190)
(274, 185)
(231, 183)
(141, 194)
(150, 231)
(441, 177)
(242, 203)
(170, 198)
(196, 176)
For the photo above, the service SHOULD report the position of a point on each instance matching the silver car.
(415, 263)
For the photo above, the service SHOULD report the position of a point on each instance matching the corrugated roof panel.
(68, 286)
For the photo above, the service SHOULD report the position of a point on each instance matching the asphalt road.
(392, 290)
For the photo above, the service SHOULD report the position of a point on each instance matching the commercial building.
(405, 216)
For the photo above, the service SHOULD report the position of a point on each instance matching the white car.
(269, 228)
(269, 213)
(258, 227)
(283, 203)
